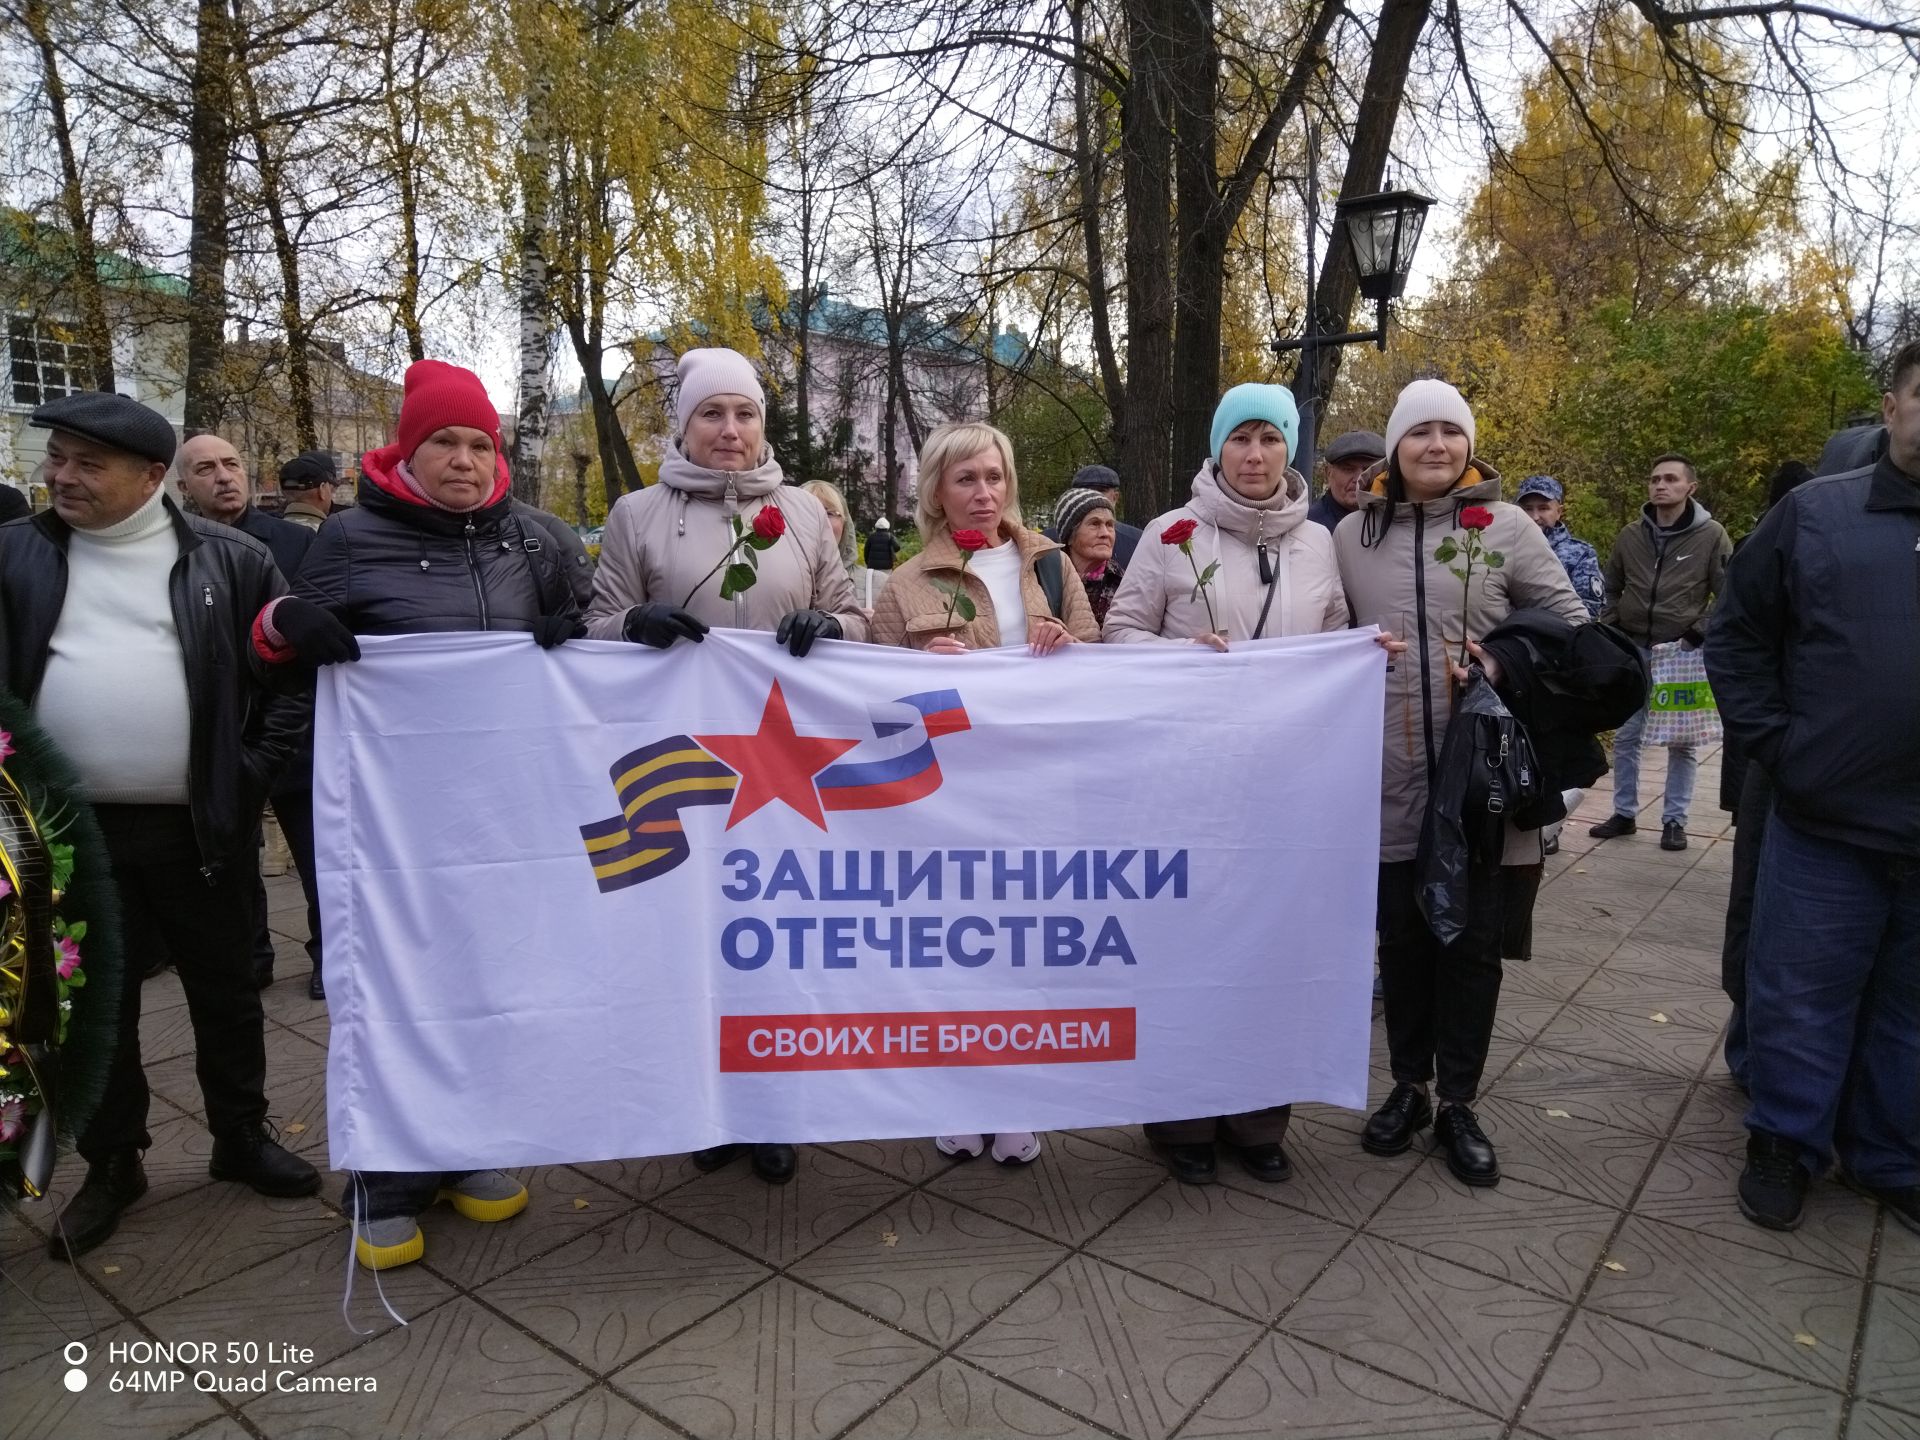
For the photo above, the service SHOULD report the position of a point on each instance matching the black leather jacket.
(390, 567)
(241, 735)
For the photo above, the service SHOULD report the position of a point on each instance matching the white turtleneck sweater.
(114, 697)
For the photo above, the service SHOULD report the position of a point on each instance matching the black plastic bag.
(1487, 771)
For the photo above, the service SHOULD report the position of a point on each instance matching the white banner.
(608, 901)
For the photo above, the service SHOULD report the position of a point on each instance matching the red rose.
(1475, 517)
(770, 523)
(969, 540)
(1179, 532)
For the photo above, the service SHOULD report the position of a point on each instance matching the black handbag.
(1487, 773)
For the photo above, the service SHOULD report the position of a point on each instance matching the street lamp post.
(1384, 230)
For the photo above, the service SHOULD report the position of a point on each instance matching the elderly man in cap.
(307, 481)
(1546, 505)
(1347, 459)
(125, 624)
(216, 481)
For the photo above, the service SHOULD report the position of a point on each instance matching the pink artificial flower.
(5, 888)
(6, 746)
(13, 1116)
(69, 958)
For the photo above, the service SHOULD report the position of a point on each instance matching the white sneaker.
(965, 1147)
(1016, 1147)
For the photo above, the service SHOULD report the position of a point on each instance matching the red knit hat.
(439, 394)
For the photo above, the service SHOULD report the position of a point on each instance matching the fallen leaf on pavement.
(889, 1239)
(1614, 1265)
(109, 1269)
(579, 1203)
(1803, 1338)
(1559, 1115)
(296, 1126)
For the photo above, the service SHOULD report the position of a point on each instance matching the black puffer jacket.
(396, 566)
(1566, 683)
(240, 735)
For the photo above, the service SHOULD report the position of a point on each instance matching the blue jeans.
(1682, 764)
(1833, 1004)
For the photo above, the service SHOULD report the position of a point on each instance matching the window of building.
(44, 363)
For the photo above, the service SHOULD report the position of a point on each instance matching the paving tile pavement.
(1608, 1289)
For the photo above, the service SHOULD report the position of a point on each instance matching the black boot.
(93, 1214)
(1267, 1163)
(1469, 1153)
(253, 1157)
(715, 1156)
(316, 989)
(774, 1164)
(1392, 1127)
(1190, 1164)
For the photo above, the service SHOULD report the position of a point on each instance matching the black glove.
(552, 630)
(660, 625)
(800, 628)
(313, 631)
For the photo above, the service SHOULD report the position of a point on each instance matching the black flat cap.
(1357, 445)
(1096, 477)
(110, 419)
(309, 471)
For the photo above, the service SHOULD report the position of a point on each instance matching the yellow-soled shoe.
(486, 1195)
(386, 1244)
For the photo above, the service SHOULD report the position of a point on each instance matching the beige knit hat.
(706, 373)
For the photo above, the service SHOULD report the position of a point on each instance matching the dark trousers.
(166, 903)
(1833, 1004)
(1252, 1127)
(1520, 892)
(1749, 833)
(294, 810)
(389, 1194)
(1439, 999)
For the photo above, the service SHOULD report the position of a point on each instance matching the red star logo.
(776, 764)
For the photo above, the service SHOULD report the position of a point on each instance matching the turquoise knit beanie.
(1271, 403)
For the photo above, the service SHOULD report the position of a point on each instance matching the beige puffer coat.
(1394, 582)
(1155, 600)
(912, 610)
(661, 540)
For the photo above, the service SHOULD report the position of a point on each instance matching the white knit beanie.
(1426, 400)
(706, 373)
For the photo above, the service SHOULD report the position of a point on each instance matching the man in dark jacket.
(1347, 459)
(125, 625)
(1662, 575)
(1815, 657)
(215, 480)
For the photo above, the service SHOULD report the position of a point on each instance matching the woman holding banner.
(1275, 576)
(669, 559)
(981, 580)
(1401, 558)
(432, 546)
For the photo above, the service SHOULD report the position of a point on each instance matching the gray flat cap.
(110, 419)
